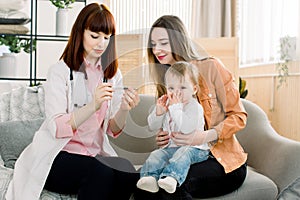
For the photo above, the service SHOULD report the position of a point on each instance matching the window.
(262, 24)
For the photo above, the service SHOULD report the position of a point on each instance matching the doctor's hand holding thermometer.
(130, 99)
(103, 92)
(130, 96)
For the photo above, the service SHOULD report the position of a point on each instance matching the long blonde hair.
(182, 48)
(181, 68)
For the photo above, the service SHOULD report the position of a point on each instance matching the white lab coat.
(33, 165)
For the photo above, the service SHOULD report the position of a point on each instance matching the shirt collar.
(88, 64)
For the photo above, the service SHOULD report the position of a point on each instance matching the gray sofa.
(273, 161)
(273, 164)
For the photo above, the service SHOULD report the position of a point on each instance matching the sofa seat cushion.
(6, 176)
(255, 186)
(47, 195)
(292, 191)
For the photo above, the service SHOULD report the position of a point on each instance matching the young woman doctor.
(71, 154)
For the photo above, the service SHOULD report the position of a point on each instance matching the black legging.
(105, 178)
(205, 179)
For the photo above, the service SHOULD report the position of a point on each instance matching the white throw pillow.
(16, 101)
(31, 105)
(5, 106)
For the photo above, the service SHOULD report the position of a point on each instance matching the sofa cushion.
(14, 137)
(292, 191)
(16, 102)
(33, 101)
(5, 107)
(47, 195)
(5, 177)
(22, 103)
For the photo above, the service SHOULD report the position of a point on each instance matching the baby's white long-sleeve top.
(179, 118)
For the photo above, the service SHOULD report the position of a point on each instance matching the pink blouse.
(88, 138)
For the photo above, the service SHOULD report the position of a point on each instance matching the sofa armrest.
(268, 152)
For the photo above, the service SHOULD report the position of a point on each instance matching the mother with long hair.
(225, 169)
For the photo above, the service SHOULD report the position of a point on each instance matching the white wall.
(48, 52)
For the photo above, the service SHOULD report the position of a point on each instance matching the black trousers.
(205, 179)
(105, 178)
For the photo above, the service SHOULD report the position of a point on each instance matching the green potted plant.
(242, 88)
(15, 45)
(62, 3)
(287, 54)
(62, 15)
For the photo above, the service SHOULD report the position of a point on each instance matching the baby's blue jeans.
(173, 161)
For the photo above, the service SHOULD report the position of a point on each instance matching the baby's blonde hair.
(182, 68)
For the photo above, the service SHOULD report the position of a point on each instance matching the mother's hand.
(162, 138)
(195, 138)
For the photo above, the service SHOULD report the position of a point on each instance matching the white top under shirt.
(184, 118)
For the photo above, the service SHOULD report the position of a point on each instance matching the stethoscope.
(81, 95)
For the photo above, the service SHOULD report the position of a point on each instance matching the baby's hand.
(161, 105)
(175, 98)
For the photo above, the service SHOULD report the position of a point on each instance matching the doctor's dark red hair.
(96, 18)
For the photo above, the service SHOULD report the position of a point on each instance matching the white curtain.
(213, 18)
(135, 16)
(298, 34)
(262, 24)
